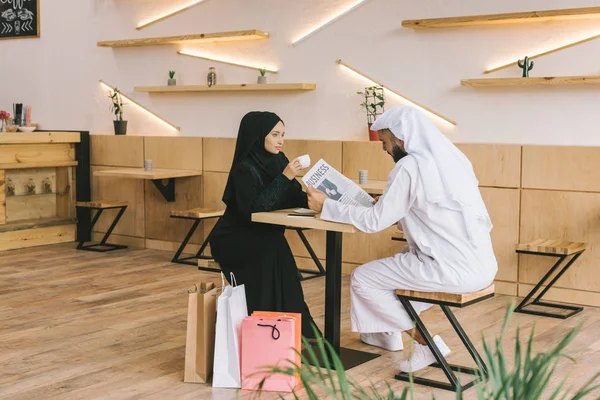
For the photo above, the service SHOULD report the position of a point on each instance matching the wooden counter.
(38, 187)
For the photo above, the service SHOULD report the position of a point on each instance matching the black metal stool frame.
(103, 247)
(314, 274)
(481, 372)
(521, 308)
(187, 260)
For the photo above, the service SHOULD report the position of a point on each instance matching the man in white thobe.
(433, 197)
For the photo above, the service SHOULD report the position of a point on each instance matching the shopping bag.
(297, 333)
(231, 311)
(200, 338)
(268, 342)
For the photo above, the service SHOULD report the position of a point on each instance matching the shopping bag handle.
(275, 334)
(233, 280)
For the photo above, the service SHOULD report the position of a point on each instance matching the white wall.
(58, 74)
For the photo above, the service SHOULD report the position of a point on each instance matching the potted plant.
(262, 78)
(374, 104)
(172, 81)
(117, 108)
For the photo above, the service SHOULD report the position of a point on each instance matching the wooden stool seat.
(208, 263)
(399, 236)
(546, 246)
(453, 299)
(197, 213)
(102, 204)
(445, 301)
(561, 249)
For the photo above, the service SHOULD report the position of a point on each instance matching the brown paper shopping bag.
(200, 339)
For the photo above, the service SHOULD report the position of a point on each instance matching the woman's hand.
(293, 169)
(316, 198)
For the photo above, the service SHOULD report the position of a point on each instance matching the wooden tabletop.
(139, 173)
(281, 217)
(373, 187)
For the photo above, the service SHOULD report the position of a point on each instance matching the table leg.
(333, 303)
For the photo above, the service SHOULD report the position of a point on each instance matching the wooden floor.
(83, 325)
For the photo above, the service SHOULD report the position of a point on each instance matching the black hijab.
(254, 127)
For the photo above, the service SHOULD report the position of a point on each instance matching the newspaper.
(336, 186)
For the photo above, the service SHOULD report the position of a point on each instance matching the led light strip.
(514, 63)
(196, 55)
(142, 107)
(422, 107)
(340, 15)
(169, 14)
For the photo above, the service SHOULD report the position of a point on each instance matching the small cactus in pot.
(262, 78)
(526, 66)
(172, 81)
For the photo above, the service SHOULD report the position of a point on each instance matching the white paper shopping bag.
(232, 309)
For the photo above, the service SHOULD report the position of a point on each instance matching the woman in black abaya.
(261, 179)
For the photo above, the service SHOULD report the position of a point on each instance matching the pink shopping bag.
(268, 342)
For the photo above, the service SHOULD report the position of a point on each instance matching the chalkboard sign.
(19, 19)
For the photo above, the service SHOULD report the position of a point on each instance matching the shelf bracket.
(167, 190)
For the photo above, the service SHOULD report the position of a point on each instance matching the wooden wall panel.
(117, 151)
(496, 165)
(159, 224)
(30, 207)
(506, 288)
(315, 238)
(213, 187)
(561, 168)
(65, 192)
(366, 155)
(360, 248)
(218, 154)
(573, 216)
(132, 222)
(2, 198)
(37, 237)
(503, 207)
(174, 152)
(328, 150)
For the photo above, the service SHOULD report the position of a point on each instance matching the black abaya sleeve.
(252, 197)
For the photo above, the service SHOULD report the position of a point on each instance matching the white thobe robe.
(439, 256)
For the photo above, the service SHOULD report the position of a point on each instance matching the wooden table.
(333, 276)
(156, 176)
(373, 187)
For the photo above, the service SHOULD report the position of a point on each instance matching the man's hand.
(376, 199)
(316, 198)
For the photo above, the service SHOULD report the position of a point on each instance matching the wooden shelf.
(140, 173)
(35, 223)
(532, 81)
(193, 38)
(254, 87)
(43, 164)
(509, 18)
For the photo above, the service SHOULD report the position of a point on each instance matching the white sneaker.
(391, 341)
(422, 356)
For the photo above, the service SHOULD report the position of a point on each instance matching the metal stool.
(445, 301)
(560, 249)
(197, 215)
(100, 206)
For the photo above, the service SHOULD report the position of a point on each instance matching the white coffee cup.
(304, 161)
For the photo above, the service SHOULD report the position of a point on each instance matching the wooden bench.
(100, 206)
(445, 301)
(197, 215)
(562, 250)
